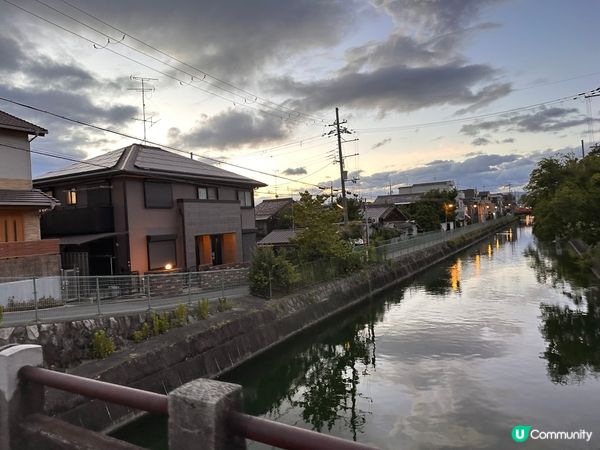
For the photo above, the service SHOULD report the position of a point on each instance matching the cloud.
(381, 143)
(295, 171)
(480, 141)
(397, 88)
(231, 129)
(541, 121)
(483, 171)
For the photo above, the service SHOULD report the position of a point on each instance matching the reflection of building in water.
(477, 264)
(455, 275)
(489, 250)
(528, 220)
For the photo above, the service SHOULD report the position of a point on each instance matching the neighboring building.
(141, 209)
(414, 192)
(22, 252)
(270, 214)
(380, 217)
(278, 238)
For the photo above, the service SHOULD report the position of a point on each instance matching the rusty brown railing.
(261, 430)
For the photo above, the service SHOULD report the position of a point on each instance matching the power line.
(201, 71)
(111, 40)
(128, 136)
(165, 74)
(468, 119)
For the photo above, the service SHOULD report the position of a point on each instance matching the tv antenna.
(143, 89)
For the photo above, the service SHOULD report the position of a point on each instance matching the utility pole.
(143, 90)
(342, 172)
(582, 149)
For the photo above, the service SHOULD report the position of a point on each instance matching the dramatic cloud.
(541, 121)
(231, 129)
(397, 88)
(381, 143)
(295, 171)
(233, 40)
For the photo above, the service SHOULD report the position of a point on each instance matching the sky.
(475, 91)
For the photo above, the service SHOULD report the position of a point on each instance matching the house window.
(158, 195)
(245, 198)
(162, 252)
(71, 197)
(11, 228)
(207, 193)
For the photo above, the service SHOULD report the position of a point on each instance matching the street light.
(447, 206)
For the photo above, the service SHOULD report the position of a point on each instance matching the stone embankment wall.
(211, 347)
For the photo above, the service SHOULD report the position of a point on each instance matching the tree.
(355, 207)
(270, 273)
(432, 209)
(564, 193)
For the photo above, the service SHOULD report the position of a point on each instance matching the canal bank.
(210, 348)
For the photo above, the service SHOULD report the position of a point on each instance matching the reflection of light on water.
(489, 249)
(455, 271)
(510, 236)
(497, 243)
(528, 220)
(477, 264)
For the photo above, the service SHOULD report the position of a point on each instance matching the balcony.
(71, 221)
(28, 248)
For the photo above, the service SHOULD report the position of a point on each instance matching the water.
(503, 334)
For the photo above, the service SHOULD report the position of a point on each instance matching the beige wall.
(31, 225)
(15, 170)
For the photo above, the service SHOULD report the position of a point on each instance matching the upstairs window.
(158, 195)
(207, 193)
(245, 198)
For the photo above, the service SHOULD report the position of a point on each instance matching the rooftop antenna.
(143, 90)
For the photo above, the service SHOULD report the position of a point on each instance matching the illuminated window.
(162, 252)
(71, 197)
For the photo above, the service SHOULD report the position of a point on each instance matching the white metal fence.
(28, 300)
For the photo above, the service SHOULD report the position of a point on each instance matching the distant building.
(410, 194)
(22, 252)
(278, 239)
(389, 217)
(270, 215)
(141, 209)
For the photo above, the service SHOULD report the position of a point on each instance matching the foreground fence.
(65, 297)
(202, 413)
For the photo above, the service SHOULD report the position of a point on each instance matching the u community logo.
(520, 433)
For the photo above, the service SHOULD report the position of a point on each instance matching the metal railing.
(254, 428)
(32, 300)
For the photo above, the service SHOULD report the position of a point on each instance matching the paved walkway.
(78, 311)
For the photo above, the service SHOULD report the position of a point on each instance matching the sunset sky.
(471, 90)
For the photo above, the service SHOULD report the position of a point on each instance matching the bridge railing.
(201, 411)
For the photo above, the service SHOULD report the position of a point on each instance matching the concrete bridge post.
(18, 398)
(198, 413)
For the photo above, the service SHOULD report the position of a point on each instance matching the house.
(414, 192)
(270, 214)
(142, 209)
(22, 252)
(278, 238)
(389, 217)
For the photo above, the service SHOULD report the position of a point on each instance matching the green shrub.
(181, 313)
(202, 309)
(271, 273)
(160, 323)
(102, 345)
(223, 304)
(142, 334)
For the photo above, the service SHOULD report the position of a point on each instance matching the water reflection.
(570, 330)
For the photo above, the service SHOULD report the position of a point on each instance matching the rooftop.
(138, 159)
(278, 237)
(10, 122)
(268, 208)
(33, 197)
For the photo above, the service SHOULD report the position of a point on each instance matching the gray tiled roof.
(138, 159)
(278, 237)
(14, 123)
(33, 197)
(268, 208)
(397, 199)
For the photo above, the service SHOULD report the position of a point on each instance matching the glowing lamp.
(169, 266)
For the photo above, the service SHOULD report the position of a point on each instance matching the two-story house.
(142, 209)
(22, 252)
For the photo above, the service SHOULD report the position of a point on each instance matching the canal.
(505, 333)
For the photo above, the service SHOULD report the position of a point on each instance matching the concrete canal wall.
(211, 347)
